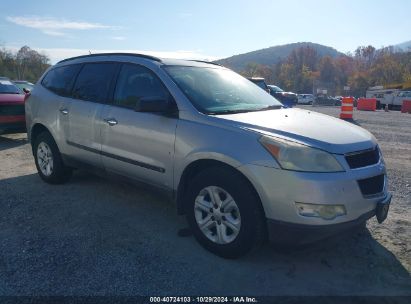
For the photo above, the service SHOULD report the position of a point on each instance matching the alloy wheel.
(45, 159)
(217, 215)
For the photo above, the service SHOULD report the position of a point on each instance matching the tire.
(244, 213)
(48, 160)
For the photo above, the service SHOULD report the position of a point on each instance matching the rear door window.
(60, 80)
(94, 82)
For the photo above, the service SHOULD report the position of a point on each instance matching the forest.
(303, 71)
(25, 64)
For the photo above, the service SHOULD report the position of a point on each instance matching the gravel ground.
(94, 236)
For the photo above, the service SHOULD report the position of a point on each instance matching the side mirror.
(26, 91)
(156, 104)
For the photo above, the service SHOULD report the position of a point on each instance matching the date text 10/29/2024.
(203, 300)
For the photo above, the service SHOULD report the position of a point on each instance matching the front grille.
(11, 110)
(363, 158)
(372, 185)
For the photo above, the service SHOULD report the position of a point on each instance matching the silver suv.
(240, 166)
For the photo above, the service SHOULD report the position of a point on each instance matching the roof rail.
(113, 54)
(204, 61)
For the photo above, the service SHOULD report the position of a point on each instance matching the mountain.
(405, 46)
(274, 54)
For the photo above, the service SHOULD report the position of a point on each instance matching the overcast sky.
(199, 29)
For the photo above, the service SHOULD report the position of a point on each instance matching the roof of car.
(164, 61)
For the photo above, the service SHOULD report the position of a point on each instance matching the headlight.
(298, 157)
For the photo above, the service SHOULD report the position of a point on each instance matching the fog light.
(327, 212)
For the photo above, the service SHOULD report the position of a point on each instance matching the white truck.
(384, 96)
(399, 97)
(392, 95)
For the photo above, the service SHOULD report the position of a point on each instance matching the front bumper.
(298, 234)
(279, 190)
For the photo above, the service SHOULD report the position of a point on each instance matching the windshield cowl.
(226, 112)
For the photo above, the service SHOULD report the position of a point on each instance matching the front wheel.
(224, 213)
(48, 160)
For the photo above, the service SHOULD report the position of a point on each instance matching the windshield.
(7, 87)
(220, 91)
(404, 94)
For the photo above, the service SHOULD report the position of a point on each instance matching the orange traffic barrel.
(406, 106)
(347, 108)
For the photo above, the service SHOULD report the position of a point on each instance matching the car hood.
(12, 98)
(307, 127)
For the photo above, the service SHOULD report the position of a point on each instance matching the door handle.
(111, 121)
(64, 111)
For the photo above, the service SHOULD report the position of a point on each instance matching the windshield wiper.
(272, 107)
(226, 112)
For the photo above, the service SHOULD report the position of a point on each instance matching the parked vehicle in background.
(325, 100)
(12, 100)
(390, 94)
(385, 97)
(24, 85)
(260, 82)
(337, 101)
(399, 97)
(239, 165)
(289, 99)
(306, 98)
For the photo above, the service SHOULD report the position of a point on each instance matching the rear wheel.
(224, 213)
(48, 160)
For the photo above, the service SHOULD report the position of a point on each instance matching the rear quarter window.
(60, 80)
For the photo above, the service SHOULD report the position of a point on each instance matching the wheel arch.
(36, 130)
(197, 166)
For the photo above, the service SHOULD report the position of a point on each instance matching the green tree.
(26, 64)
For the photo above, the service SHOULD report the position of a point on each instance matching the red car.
(12, 118)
